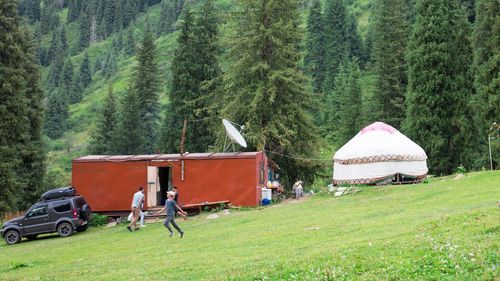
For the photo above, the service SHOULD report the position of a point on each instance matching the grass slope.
(444, 230)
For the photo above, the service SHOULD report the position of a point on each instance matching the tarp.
(378, 152)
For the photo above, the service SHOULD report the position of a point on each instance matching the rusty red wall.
(109, 186)
(235, 180)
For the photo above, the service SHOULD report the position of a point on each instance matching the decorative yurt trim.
(379, 153)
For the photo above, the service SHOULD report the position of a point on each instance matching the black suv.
(60, 210)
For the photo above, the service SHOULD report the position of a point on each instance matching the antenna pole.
(183, 137)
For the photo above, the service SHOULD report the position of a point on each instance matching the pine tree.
(75, 93)
(67, 76)
(130, 10)
(205, 107)
(74, 10)
(486, 40)
(13, 100)
(266, 89)
(349, 97)
(354, 43)
(335, 40)
(56, 115)
(118, 17)
(129, 47)
(85, 71)
(439, 85)
(110, 66)
(314, 58)
(183, 88)
(30, 9)
(32, 154)
(84, 31)
(390, 34)
(129, 137)
(108, 19)
(147, 85)
(104, 138)
(470, 8)
(49, 20)
(58, 44)
(55, 68)
(166, 22)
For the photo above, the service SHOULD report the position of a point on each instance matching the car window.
(38, 211)
(61, 207)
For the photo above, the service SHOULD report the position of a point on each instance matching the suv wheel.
(65, 229)
(12, 237)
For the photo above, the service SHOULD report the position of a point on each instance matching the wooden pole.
(183, 137)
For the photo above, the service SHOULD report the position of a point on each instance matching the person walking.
(137, 201)
(176, 199)
(170, 207)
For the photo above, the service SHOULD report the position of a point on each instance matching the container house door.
(153, 185)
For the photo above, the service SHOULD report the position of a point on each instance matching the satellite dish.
(233, 134)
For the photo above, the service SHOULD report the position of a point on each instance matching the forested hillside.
(303, 76)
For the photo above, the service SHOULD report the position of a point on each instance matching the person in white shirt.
(136, 208)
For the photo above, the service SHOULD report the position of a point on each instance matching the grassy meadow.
(447, 229)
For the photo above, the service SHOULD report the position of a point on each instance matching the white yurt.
(379, 154)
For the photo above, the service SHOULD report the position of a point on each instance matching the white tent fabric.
(378, 152)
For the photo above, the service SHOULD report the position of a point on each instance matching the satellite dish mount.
(234, 135)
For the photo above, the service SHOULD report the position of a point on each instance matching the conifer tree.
(437, 115)
(129, 137)
(390, 34)
(314, 58)
(32, 154)
(74, 9)
(166, 22)
(110, 66)
(183, 88)
(75, 93)
(55, 68)
(56, 115)
(85, 71)
(67, 76)
(267, 92)
(129, 47)
(349, 97)
(335, 40)
(13, 100)
(204, 105)
(118, 16)
(84, 30)
(130, 9)
(108, 17)
(354, 43)
(486, 40)
(104, 138)
(147, 85)
(49, 20)
(30, 9)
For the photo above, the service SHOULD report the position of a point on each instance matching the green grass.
(447, 229)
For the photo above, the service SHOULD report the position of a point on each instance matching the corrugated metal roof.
(193, 156)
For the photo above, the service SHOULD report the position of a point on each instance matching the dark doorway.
(165, 183)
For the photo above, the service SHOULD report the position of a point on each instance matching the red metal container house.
(108, 182)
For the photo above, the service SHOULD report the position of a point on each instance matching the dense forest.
(304, 76)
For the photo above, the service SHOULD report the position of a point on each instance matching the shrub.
(98, 220)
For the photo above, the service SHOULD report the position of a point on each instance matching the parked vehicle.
(60, 210)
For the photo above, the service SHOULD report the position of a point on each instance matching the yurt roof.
(379, 142)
